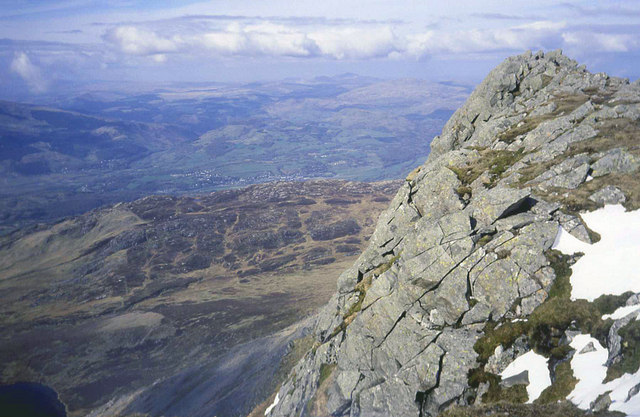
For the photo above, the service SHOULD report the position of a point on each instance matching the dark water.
(26, 399)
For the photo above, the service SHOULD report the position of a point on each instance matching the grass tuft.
(494, 162)
(563, 384)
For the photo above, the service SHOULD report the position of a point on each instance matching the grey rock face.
(633, 391)
(570, 173)
(614, 341)
(608, 195)
(456, 249)
(498, 203)
(601, 404)
(588, 348)
(616, 160)
(521, 379)
(574, 226)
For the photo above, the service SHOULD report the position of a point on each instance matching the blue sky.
(47, 44)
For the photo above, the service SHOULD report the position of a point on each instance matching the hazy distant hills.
(96, 147)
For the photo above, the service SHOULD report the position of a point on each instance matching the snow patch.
(275, 402)
(589, 368)
(538, 372)
(611, 265)
(622, 312)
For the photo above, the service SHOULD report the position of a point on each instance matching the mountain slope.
(464, 274)
(105, 304)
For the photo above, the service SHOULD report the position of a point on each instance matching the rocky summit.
(462, 275)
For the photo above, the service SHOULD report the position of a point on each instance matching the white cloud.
(138, 41)
(226, 43)
(356, 42)
(280, 40)
(601, 42)
(159, 58)
(529, 36)
(29, 72)
(360, 42)
(262, 39)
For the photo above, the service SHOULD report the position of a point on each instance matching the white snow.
(590, 370)
(612, 265)
(622, 312)
(538, 372)
(275, 402)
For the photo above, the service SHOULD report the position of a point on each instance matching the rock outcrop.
(450, 288)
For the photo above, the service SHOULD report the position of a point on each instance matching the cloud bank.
(362, 42)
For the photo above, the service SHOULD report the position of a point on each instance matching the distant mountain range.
(95, 147)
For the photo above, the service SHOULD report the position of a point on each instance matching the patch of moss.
(566, 103)
(516, 394)
(325, 372)
(546, 80)
(479, 376)
(561, 409)
(484, 240)
(564, 382)
(464, 190)
(559, 262)
(577, 200)
(549, 321)
(496, 393)
(607, 304)
(503, 160)
(465, 175)
(361, 292)
(385, 266)
(630, 354)
(355, 307)
(339, 328)
(494, 162)
(612, 133)
(525, 126)
(495, 335)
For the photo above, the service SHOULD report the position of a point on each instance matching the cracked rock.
(616, 160)
(498, 203)
(608, 195)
